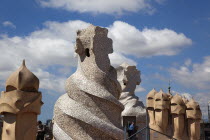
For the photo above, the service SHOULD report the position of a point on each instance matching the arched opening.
(10, 88)
(87, 52)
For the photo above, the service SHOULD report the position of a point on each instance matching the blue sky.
(166, 40)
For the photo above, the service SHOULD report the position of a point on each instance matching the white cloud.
(8, 24)
(49, 52)
(187, 96)
(43, 49)
(158, 76)
(203, 99)
(129, 40)
(140, 89)
(46, 51)
(52, 45)
(160, 1)
(188, 62)
(195, 75)
(117, 59)
(50, 81)
(101, 6)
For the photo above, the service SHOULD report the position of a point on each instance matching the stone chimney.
(194, 116)
(20, 104)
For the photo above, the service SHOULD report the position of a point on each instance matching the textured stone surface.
(158, 106)
(128, 77)
(184, 116)
(20, 104)
(150, 107)
(194, 116)
(90, 109)
(161, 106)
(178, 109)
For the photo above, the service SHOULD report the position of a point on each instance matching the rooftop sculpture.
(150, 107)
(90, 109)
(185, 116)
(20, 104)
(194, 116)
(129, 77)
(178, 112)
(161, 107)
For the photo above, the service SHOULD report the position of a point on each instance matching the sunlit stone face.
(177, 105)
(88, 39)
(194, 116)
(161, 101)
(193, 110)
(150, 98)
(194, 129)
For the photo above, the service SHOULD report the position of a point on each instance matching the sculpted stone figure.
(150, 107)
(161, 106)
(20, 104)
(194, 116)
(178, 110)
(129, 77)
(90, 109)
(185, 116)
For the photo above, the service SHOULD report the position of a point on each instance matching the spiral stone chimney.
(90, 109)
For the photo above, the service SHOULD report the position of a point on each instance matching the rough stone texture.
(128, 77)
(150, 107)
(20, 104)
(178, 110)
(161, 106)
(194, 116)
(90, 109)
(158, 106)
(185, 116)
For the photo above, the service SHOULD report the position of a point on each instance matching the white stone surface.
(90, 109)
(128, 77)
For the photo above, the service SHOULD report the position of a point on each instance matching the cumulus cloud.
(49, 52)
(118, 58)
(46, 51)
(187, 96)
(188, 62)
(8, 24)
(149, 42)
(140, 89)
(50, 81)
(102, 6)
(193, 75)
